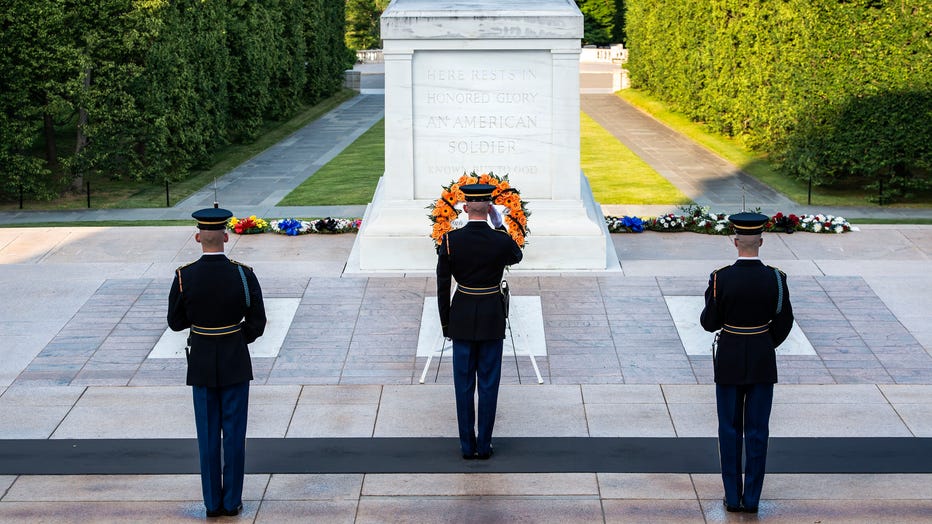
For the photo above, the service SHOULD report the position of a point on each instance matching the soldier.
(475, 256)
(750, 303)
(221, 302)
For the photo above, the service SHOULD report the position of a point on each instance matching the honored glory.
(480, 97)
